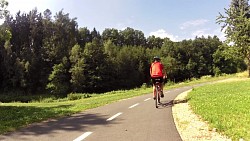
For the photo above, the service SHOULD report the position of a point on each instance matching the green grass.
(15, 115)
(225, 106)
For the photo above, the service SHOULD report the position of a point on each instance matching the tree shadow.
(23, 114)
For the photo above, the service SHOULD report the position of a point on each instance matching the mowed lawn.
(226, 106)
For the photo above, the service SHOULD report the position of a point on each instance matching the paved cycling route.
(134, 119)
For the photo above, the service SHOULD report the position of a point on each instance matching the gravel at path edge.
(190, 126)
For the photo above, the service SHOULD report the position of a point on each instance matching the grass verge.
(225, 106)
(17, 115)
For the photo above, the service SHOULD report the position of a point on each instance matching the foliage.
(76, 96)
(59, 79)
(236, 25)
(77, 68)
(41, 54)
(227, 59)
(3, 8)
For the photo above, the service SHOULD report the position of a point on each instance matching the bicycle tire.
(156, 99)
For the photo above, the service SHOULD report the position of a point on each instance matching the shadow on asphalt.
(77, 122)
(171, 103)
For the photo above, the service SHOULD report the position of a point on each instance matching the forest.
(46, 53)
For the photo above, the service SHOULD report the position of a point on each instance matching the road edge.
(189, 125)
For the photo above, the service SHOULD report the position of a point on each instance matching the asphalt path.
(134, 119)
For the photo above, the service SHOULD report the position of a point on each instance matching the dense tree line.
(40, 52)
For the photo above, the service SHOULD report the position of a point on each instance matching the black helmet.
(157, 58)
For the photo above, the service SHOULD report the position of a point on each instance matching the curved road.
(134, 119)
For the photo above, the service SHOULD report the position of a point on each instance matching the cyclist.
(157, 74)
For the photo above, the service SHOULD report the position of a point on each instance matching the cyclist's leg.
(154, 91)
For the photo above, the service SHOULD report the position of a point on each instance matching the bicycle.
(158, 92)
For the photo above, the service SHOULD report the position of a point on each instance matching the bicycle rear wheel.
(156, 98)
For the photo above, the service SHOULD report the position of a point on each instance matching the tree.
(112, 35)
(95, 35)
(59, 78)
(77, 69)
(132, 37)
(34, 54)
(84, 36)
(228, 60)
(64, 31)
(95, 66)
(3, 8)
(154, 42)
(236, 24)
(5, 36)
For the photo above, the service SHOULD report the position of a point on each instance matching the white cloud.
(125, 23)
(162, 34)
(206, 32)
(220, 34)
(193, 23)
(27, 5)
(201, 32)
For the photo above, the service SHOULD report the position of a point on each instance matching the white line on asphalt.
(147, 99)
(134, 105)
(114, 116)
(83, 136)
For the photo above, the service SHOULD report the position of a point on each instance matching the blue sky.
(175, 19)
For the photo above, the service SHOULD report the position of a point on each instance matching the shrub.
(76, 96)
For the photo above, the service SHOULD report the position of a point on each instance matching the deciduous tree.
(236, 23)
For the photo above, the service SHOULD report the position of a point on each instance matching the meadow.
(225, 106)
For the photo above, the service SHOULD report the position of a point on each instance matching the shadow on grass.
(25, 115)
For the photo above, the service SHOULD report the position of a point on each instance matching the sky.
(175, 19)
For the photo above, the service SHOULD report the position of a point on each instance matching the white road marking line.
(83, 136)
(114, 116)
(134, 105)
(147, 99)
(124, 99)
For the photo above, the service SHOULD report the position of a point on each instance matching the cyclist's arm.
(164, 73)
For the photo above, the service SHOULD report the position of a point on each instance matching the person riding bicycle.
(157, 74)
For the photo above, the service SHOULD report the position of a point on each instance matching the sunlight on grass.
(225, 106)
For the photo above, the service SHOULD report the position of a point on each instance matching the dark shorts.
(157, 79)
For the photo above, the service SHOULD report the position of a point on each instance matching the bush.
(48, 100)
(144, 86)
(75, 96)
(13, 96)
(206, 77)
